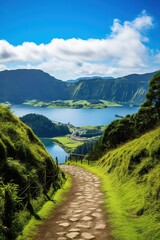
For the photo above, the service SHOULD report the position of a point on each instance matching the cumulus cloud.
(143, 21)
(122, 52)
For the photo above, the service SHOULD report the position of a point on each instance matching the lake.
(77, 117)
(55, 150)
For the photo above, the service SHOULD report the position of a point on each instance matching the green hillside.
(44, 127)
(129, 161)
(28, 174)
(19, 86)
(132, 126)
(129, 89)
(133, 187)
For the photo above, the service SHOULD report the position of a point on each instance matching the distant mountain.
(89, 78)
(129, 89)
(20, 85)
(17, 86)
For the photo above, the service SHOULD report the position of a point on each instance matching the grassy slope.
(23, 161)
(130, 177)
(134, 173)
(67, 143)
(48, 208)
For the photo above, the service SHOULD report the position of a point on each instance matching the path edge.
(31, 228)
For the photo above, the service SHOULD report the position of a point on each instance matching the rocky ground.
(82, 215)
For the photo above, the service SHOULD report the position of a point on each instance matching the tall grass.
(130, 180)
(30, 229)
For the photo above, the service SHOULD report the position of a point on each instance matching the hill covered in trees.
(27, 174)
(43, 127)
(18, 86)
(132, 126)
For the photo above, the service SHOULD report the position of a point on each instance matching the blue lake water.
(55, 150)
(77, 117)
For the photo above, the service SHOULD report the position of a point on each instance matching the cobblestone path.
(82, 215)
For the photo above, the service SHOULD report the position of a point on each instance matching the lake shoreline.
(76, 117)
(74, 104)
(81, 118)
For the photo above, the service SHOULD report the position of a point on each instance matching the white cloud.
(143, 21)
(2, 67)
(122, 52)
(157, 57)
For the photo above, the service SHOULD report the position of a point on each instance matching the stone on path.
(97, 215)
(61, 233)
(74, 230)
(86, 219)
(88, 236)
(72, 235)
(65, 224)
(83, 226)
(73, 219)
(100, 226)
(82, 216)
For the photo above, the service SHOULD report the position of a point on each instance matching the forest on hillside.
(44, 127)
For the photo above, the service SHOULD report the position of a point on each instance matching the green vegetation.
(67, 143)
(92, 133)
(128, 164)
(130, 180)
(130, 90)
(43, 127)
(82, 140)
(72, 104)
(88, 131)
(132, 126)
(134, 173)
(27, 84)
(28, 174)
(85, 147)
(48, 208)
(102, 128)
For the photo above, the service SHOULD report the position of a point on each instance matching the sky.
(76, 38)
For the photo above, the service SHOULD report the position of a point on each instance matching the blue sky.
(74, 38)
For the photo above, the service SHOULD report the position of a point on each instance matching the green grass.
(71, 104)
(67, 143)
(130, 180)
(23, 161)
(31, 228)
(102, 127)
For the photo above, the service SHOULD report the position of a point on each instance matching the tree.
(153, 94)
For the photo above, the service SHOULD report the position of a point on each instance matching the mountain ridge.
(18, 86)
(89, 78)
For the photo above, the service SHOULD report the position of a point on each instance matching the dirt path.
(82, 215)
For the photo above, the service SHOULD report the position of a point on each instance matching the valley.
(124, 156)
(79, 120)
